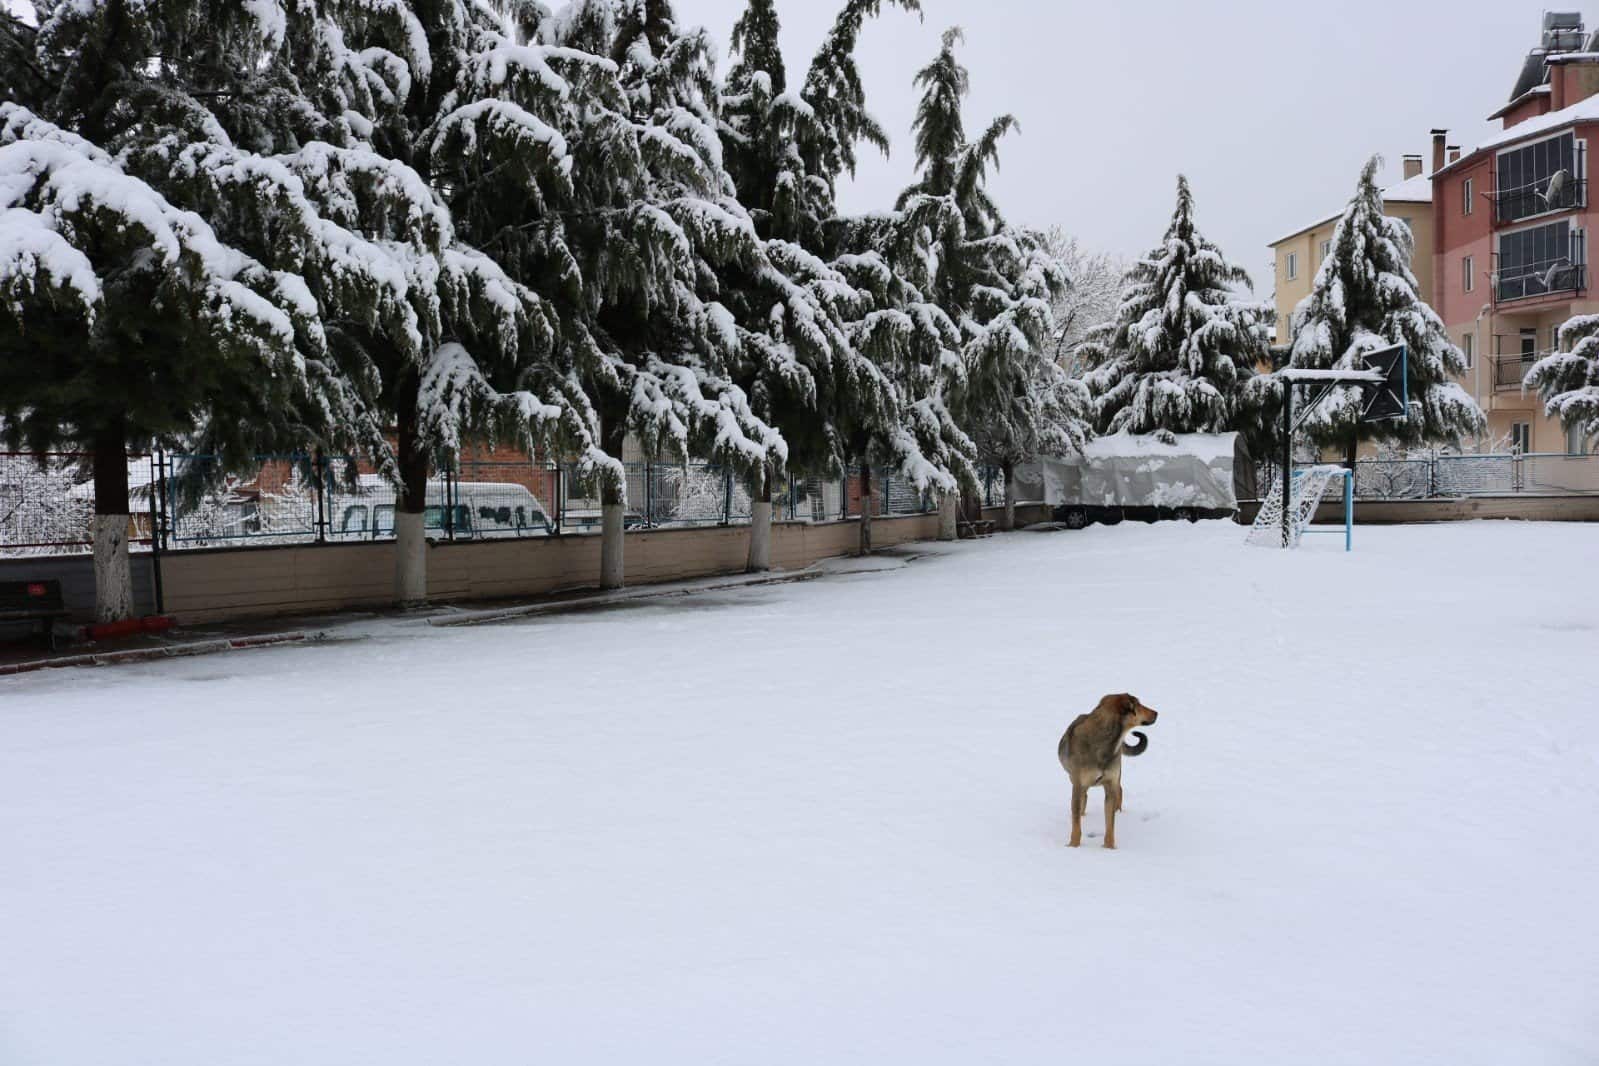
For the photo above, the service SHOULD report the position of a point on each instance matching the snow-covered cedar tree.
(870, 362)
(632, 250)
(125, 317)
(1364, 298)
(798, 363)
(445, 168)
(995, 282)
(1568, 380)
(1183, 342)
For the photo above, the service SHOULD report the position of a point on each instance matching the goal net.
(1309, 486)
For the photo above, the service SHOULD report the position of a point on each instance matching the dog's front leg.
(1079, 805)
(1113, 802)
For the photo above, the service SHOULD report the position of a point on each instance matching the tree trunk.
(948, 515)
(612, 502)
(410, 540)
(866, 509)
(971, 505)
(113, 578)
(1350, 450)
(1008, 522)
(760, 559)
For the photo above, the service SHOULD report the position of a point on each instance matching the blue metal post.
(1349, 510)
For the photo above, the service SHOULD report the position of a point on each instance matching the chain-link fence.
(1455, 476)
(190, 501)
(47, 502)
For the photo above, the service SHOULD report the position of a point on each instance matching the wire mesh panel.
(203, 506)
(686, 494)
(47, 502)
(1392, 479)
(1474, 475)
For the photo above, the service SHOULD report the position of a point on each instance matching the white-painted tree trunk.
(760, 536)
(113, 577)
(948, 512)
(410, 560)
(611, 542)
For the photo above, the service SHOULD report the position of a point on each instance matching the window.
(1468, 348)
(1465, 197)
(1521, 437)
(1539, 260)
(1576, 440)
(1466, 274)
(1538, 178)
(1292, 265)
(1326, 249)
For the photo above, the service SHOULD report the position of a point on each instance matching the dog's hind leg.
(1079, 805)
(1113, 803)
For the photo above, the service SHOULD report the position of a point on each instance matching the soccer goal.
(1289, 510)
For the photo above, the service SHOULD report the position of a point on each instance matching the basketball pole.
(1288, 456)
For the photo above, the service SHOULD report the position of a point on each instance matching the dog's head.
(1133, 712)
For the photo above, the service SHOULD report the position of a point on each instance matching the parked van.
(482, 509)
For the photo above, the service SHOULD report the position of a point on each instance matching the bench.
(972, 530)
(33, 601)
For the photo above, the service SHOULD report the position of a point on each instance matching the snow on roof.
(1416, 190)
(1204, 446)
(1585, 110)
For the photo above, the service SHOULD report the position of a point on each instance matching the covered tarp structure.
(1197, 471)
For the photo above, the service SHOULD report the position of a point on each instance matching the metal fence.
(1457, 476)
(47, 502)
(186, 501)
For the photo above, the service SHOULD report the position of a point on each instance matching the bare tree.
(1091, 298)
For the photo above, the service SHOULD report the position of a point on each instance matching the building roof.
(1416, 190)
(1584, 110)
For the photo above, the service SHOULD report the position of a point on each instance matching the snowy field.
(824, 823)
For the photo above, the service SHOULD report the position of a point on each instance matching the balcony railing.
(1539, 198)
(1511, 370)
(1527, 280)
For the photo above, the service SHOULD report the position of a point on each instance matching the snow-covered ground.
(824, 823)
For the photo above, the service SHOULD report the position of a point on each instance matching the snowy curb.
(472, 618)
(135, 655)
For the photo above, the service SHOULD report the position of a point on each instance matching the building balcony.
(1539, 198)
(1528, 281)
(1509, 371)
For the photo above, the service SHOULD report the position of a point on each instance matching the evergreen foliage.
(1364, 298)
(1568, 380)
(1184, 342)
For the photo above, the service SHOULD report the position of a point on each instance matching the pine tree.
(830, 356)
(1364, 298)
(1568, 380)
(471, 115)
(1183, 343)
(130, 317)
(995, 281)
(651, 226)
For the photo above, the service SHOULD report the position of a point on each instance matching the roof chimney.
(1438, 138)
(1412, 166)
(1454, 153)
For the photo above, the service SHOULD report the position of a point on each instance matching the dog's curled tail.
(1143, 743)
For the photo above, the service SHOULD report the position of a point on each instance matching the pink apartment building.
(1511, 220)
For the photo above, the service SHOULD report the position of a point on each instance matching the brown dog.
(1091, 752)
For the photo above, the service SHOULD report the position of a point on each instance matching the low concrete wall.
(1402, 512)
(209, 586)
(76, 574)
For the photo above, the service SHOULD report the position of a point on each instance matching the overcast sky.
(1269, 107)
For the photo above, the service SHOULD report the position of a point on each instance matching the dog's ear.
(1129, 703)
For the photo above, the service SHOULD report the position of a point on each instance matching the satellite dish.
(1557, 185)
(1553, 274)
